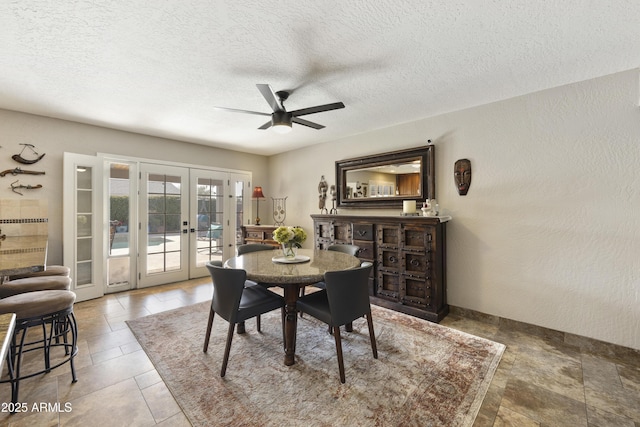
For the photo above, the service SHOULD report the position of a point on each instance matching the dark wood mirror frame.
(426, 181)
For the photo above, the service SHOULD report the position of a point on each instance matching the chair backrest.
(346, 249)
(228, 285)
(252, 247)
(348, 294)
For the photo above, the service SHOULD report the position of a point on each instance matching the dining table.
(272, 269)
(22, 255)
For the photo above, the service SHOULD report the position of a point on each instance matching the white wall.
(54, 137)
(549, 233)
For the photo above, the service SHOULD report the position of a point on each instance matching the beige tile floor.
(545, 378)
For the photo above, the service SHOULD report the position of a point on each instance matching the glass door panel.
(241, 204)
(121, 191)
(208, 210)
(164, 225)
(218, 206)
(82, 224)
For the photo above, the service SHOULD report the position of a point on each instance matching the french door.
(163, 209)
(148, 223)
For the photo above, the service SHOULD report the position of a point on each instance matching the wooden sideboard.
(408, 254)
(259, 234)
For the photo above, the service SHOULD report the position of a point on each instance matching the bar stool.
(31, 284)
(52, 312)
(51, 270)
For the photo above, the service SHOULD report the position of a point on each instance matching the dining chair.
(241, 328)
(345, 299)
(235, 303)
(252, 247)
(347, 249)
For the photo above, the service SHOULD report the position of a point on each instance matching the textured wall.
(549, 233)
(54, 137)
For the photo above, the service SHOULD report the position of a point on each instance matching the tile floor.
(545, 378)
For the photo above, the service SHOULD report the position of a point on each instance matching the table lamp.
(257, 194)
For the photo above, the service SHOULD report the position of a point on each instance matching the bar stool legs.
(55, 326)
(57, 339)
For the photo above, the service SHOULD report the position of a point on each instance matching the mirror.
(385, 180)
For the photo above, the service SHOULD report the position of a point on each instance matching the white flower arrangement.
(290, 235)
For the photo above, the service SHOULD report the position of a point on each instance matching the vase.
(289, 250)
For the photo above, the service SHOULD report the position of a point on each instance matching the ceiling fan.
(281, 119)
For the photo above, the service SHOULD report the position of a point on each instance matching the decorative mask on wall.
(462, 175)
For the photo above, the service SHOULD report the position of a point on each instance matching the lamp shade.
(257, 193)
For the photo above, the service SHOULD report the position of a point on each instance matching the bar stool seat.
(51, 312)
(31, 284)
(50, 270)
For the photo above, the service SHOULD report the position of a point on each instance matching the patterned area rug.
(426, 374)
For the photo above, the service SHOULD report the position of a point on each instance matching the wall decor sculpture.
(16, 171)
(462, 175)
(18, 157)
(279, 210)
(322, 195)
(15, 186)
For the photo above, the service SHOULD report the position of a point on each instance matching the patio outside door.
(164, 225)
(188, 217)
(131, 224)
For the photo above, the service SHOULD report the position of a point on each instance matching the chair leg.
(258, 323)
(227, 350)
(209, 324)
(372, 336)
(284, 339)
(336, 335)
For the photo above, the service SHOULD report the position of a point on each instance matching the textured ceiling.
(160, 67)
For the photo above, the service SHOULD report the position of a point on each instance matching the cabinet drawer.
(388, 235)
(416, 263)
(388, 286)
(342, 232)
(415, 292)
(255, 235)
(418, 237)
(366, 251)
(363, 232)
(389, 260)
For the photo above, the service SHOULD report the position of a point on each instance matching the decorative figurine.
(279, 210)
(18, 157)
(332, 190)
(15, 187)
(17, 171)
(322, 195)
(462, 175)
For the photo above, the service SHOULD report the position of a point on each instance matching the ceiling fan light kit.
(281, 119)
(281, 122)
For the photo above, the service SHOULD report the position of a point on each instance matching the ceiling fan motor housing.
(281, 118)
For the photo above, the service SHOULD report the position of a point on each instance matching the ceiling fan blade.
(270, 96)
(306, 123)
(317, 109)
(234, 110)
(265, 126)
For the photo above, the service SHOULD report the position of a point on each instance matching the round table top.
(261, 268)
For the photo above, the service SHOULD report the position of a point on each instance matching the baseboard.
(584, 344)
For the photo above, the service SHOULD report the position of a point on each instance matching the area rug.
(426, 374)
